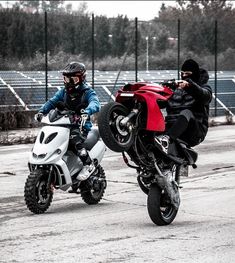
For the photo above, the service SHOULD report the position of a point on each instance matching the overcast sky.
(144, 10)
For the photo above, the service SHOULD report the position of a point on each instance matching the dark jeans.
(76, 140)
(76, 144)
(186, 127)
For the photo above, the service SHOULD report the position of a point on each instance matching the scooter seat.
(92, 138)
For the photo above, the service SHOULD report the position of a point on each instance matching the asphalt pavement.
(119, 229)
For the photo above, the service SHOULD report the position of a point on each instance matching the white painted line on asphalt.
(222, 104)
(14, 148)
(109, 93)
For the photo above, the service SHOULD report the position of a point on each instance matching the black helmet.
(74, 68)
(74, 74)
(192, 66)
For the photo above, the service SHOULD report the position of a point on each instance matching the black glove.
(38, 116)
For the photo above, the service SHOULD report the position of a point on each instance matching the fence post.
(46, 59)
(93, 49)
(215, 68)
(136, 49)
(178, 59)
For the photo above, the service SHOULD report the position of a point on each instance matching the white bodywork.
(54, 152)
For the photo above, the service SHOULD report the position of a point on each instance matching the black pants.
(76, 144)
(77, 139)
(186, 127)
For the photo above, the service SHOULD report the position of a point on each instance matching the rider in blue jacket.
(76, 95)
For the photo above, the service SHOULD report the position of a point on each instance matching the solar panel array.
(26, 89)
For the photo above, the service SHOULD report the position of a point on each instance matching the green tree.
(119, 35)
(102, 32)
(198, 24)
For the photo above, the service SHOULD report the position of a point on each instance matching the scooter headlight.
(40, 156)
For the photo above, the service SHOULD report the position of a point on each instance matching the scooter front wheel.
(160, 209)
(38, 195)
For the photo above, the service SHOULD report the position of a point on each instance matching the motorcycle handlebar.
(172, 83)
(75, 118)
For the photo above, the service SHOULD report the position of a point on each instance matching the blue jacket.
(88, 97)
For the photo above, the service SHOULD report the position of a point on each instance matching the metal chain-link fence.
(115, 51)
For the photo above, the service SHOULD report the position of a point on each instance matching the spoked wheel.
(117, 137)
(37, 194)
(160, 209)
(92, 190)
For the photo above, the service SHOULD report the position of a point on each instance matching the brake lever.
(84, 117)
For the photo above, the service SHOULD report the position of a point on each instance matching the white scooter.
(53, 165)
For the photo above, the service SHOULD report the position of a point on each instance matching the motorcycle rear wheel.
(38, 196)
(118, 138)
(160, 212)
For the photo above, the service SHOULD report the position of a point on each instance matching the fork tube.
(128, 117)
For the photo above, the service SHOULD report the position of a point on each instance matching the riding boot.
(88, 165)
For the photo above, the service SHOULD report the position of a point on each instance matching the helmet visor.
(71, 79)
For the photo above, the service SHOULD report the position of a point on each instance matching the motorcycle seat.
(92, 138)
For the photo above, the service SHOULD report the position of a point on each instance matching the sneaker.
(74, 187)
(73, 191)
(163, 142)
(86, 172)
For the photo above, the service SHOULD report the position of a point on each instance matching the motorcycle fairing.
(155, 120)
(60, 120)
(73, 162)
(150, 94)
(50, 151)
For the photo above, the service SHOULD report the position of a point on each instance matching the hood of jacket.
(204, 76)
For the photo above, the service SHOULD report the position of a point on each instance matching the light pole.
(110, 40)
(147, 54)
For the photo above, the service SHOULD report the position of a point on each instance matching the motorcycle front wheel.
(160, 211)
(116, 137)
(38, 196)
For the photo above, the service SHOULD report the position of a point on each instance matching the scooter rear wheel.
(160, 211)
(92, 192)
